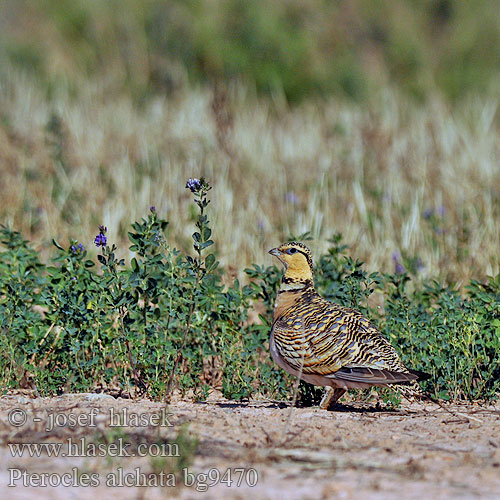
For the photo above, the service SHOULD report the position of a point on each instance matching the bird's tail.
(413, 392)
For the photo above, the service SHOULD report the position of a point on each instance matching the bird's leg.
(330, 397)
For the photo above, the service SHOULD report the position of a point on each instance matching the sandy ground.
(355, 452)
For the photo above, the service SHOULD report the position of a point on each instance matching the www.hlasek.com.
(201, 481)
(84, 448)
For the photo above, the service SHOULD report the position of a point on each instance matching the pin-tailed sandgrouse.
(325, 343)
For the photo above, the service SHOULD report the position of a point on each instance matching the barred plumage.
(327, 344)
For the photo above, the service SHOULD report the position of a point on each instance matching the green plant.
(173, 320)
(165, 321)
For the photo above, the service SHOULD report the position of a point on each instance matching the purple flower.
(398, 266)
(77, 249)
(193, 184)
(152, 209)
(428, 213)
(100, 239)
(292, 198)
(420, 266)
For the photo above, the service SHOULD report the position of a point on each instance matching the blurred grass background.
(376, 119)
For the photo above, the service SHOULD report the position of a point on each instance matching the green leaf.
(54, 242)
(209, 261)
(135, 265)
(206, 244)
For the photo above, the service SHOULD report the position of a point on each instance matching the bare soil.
(355, 452)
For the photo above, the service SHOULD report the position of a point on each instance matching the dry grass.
(370, 171)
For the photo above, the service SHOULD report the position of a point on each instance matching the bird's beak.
(275, 252)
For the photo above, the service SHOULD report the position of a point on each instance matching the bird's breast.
(285, 302)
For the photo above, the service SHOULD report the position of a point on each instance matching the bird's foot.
(330, 397)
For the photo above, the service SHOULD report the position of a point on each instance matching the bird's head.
(297, 259)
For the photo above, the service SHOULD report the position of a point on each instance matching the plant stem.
(184, 339)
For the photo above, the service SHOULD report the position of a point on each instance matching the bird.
(327, 344)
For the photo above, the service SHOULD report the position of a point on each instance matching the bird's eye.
(291, 250)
